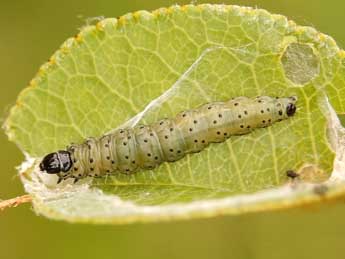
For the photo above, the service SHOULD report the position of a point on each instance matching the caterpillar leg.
(65, 177)
(59, 180)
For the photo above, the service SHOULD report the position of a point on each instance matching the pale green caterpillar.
(146, 146)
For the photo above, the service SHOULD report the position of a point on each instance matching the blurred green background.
(30, 32)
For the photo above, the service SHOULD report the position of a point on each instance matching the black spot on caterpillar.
(146, 146)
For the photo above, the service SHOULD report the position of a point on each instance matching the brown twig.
(15, 201)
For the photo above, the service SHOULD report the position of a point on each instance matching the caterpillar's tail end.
(291, 106)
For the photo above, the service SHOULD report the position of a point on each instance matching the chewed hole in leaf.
(300, 62)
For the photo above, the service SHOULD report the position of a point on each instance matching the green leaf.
(146, 66)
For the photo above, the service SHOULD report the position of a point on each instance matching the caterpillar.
(147, 146)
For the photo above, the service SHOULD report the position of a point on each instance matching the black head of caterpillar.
(56, 162)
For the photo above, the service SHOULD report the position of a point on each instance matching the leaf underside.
(146, 66)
